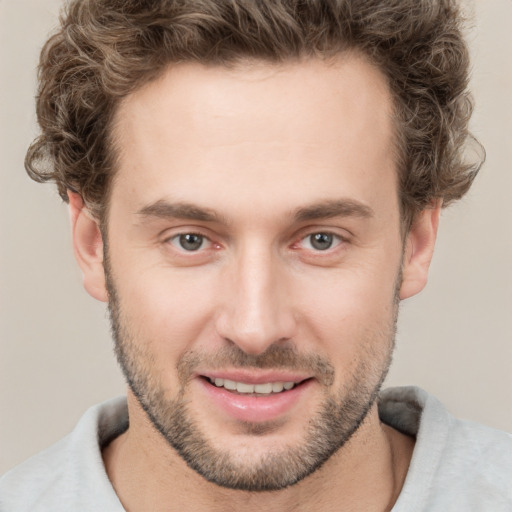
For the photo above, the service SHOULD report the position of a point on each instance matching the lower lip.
(255, 409)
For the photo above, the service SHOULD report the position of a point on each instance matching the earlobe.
(88, 247)
(419, 249)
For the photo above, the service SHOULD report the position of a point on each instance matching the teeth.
(277, 387)
(244, 388)
(229, 384)
(262, 389)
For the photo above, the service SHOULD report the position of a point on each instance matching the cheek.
(349, 313)
(168, 310)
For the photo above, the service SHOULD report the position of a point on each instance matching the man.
(254, 187)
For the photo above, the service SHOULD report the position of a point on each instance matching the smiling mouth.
(244, 388)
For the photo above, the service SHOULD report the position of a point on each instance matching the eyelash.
(335, 239)
(178, 237)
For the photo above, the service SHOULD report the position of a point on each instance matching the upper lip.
(255, 377)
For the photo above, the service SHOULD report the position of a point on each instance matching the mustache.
(275, 357)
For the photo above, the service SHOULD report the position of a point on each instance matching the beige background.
(455, 339)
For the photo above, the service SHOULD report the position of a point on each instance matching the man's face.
(254, 243)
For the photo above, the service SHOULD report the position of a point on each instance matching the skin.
(230, 142)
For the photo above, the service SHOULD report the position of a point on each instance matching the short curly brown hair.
(106, 49)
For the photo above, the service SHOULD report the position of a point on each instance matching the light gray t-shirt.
(456, 466)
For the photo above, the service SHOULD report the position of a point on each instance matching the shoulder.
(456, 465)
(70, 474)
(476, 465)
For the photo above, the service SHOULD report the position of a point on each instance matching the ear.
(419, 249)
(88, 247)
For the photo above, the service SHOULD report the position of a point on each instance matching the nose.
(257, 310)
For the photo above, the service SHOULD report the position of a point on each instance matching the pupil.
(321, 241)
(191, 242)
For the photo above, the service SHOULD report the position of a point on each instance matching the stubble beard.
(338, 418)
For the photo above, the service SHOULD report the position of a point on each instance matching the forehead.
(258, 128)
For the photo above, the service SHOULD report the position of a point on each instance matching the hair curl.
(106, 49)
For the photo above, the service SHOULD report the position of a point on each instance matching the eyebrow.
(163, 209)
(334, 208)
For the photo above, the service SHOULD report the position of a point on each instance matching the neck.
(367, 473)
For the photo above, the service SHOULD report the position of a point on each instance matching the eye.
(190, 242)
(320, 241)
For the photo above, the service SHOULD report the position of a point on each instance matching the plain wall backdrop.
(56, 358)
